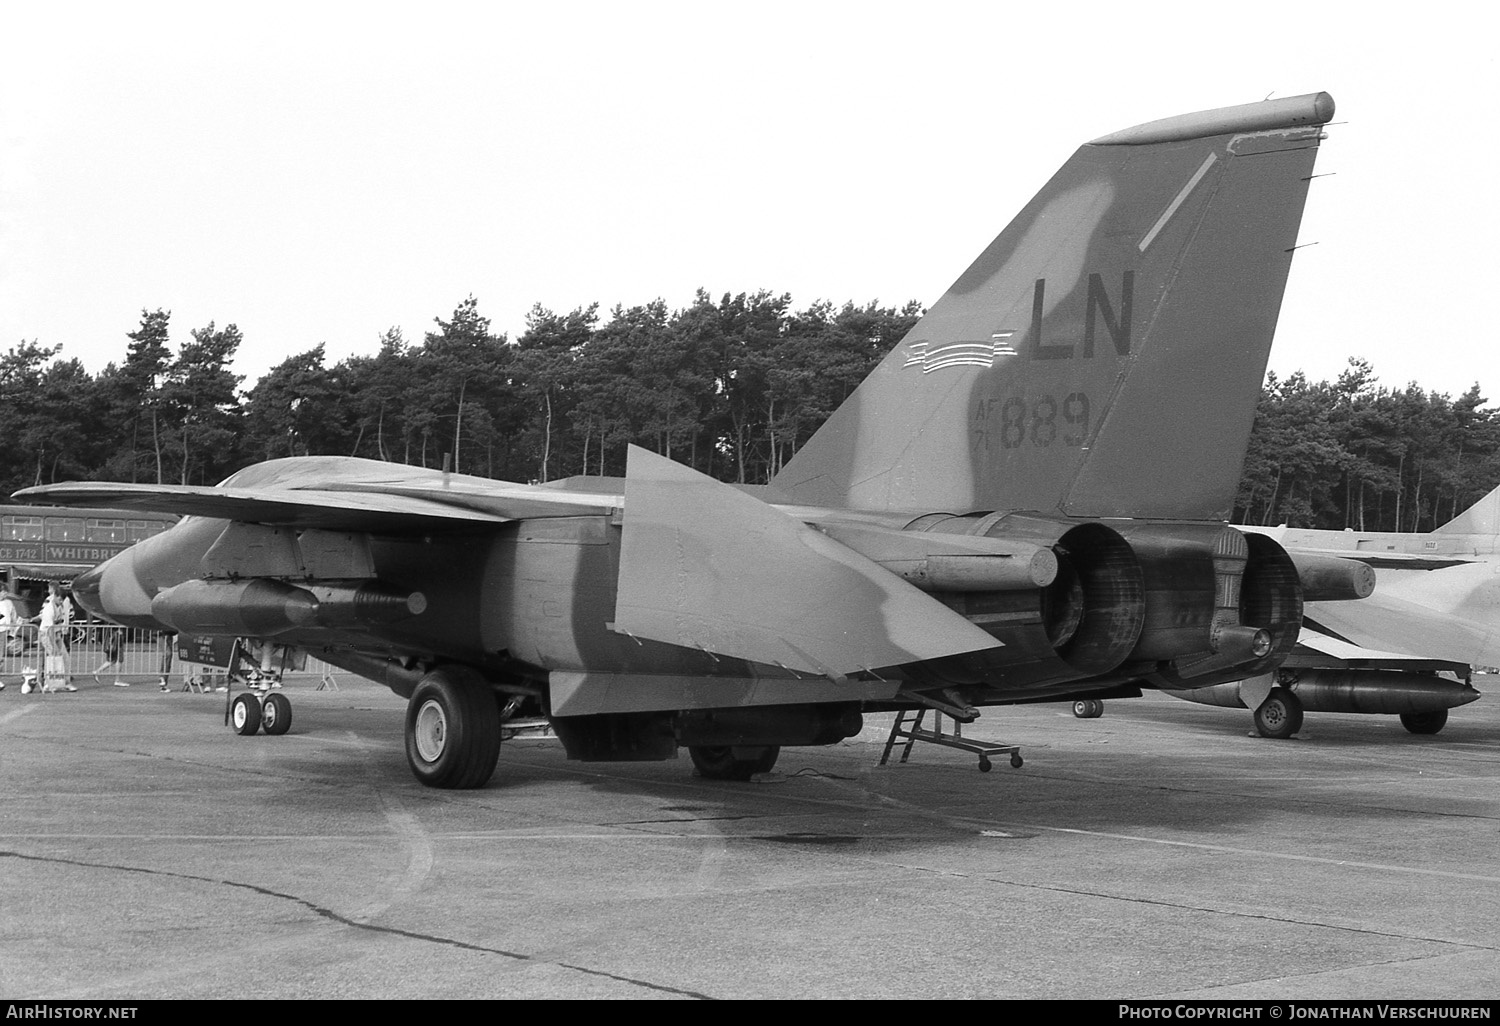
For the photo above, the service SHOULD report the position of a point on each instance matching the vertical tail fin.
(1103, 356)
(1482, 518)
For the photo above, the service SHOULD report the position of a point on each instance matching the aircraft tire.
(1425, 722)
(718, 762)
(244, 714)
(452, 730)
(1088, 708)
(276, 714)
(1279, 716)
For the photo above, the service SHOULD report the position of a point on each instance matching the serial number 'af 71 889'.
(1041, 421)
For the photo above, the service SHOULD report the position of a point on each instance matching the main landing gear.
(1425, 722)
(733, 763)
(1280, 715)
(453, 729)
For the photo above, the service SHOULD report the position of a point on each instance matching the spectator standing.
(10, 623)
(164, 644)
(55, 620)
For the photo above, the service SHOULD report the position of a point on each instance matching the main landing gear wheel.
(1280, 715)
(244, 714)
(1424, 722)
(1088, 708)
(276, 714)
(726, 763)
(452, 730)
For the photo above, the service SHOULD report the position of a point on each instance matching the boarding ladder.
(908, 725)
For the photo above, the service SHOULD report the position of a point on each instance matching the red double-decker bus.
(54, 543)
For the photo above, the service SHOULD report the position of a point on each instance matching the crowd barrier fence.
(130, 655)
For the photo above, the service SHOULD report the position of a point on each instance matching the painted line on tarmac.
(378, 836)
(1258, 852)
(979, 825)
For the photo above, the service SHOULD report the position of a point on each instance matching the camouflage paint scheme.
(1103, 356)
(1025, 501)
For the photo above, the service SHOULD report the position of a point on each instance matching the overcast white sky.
(322, 172)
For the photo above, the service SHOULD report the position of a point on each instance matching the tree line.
(1354, 454)
(732, 387)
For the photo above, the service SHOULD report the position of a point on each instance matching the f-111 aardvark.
(1439, 592)
(1025, 501)
(1436, 614)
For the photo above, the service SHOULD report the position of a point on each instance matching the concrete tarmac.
(1159, 852)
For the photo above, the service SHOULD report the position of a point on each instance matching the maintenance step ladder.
(908, 725)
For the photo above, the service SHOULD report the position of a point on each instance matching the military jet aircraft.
(1408, 649)
(1472, 535)
(1439, 591)
(1026, 500)
(1329, 674)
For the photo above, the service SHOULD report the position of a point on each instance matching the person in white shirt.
(55, 619)
(10, 622)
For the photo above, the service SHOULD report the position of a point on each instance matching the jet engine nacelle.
(1180, 603)
(1217, 602)
(1083, 622)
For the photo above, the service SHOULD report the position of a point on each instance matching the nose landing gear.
(261, 706)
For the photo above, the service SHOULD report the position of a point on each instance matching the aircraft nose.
(113, 591)
(86, 590)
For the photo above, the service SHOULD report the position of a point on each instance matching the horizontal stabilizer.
(702, 565)
(1448, 612)
(1315, 649)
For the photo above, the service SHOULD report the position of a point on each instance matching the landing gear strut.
(259, 708)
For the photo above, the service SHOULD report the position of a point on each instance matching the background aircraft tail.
(1481, 518)
(1103, 356)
